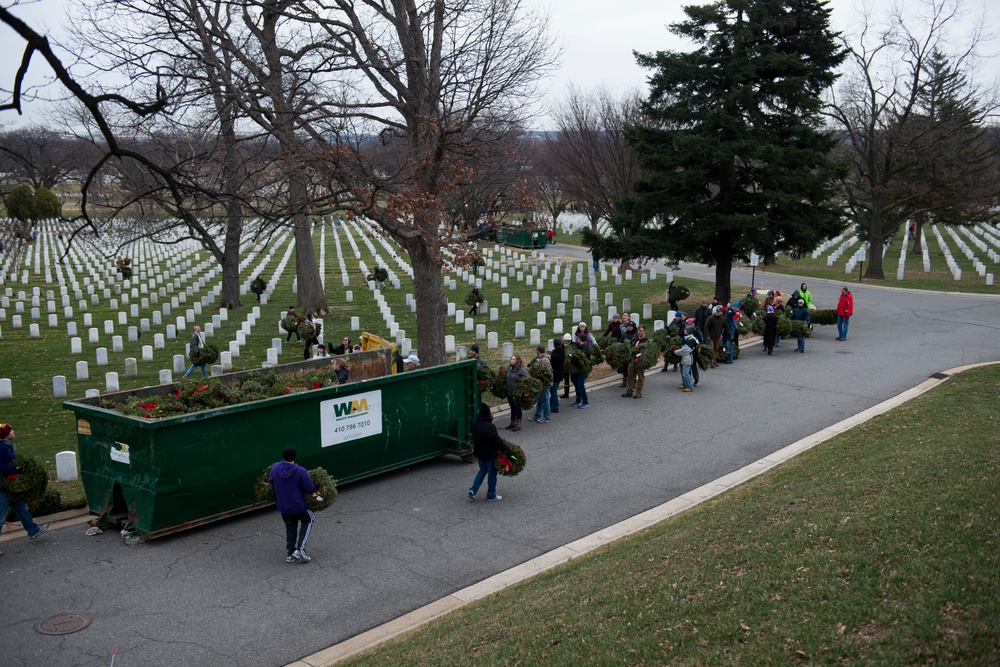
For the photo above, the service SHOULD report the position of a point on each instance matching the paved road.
(223, 596)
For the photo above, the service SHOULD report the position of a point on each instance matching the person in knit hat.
(8, 453)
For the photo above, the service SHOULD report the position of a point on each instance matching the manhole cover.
(62, 624)
(940, 376)
(842, 352)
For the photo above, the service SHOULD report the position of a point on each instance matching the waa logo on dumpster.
(347, 418)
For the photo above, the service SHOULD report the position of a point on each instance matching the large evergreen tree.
(733, 154)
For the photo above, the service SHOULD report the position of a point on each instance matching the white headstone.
(111, 381)
(66, 470)
(82, 370)
(102, 356)
(59, 386)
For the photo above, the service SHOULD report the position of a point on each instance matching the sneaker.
(697, 383)
(302, 555)
(584, 405)
(41, 529)
(494, 499)
(289, 558)
(472, 496)
(575, 404)
(545, 421)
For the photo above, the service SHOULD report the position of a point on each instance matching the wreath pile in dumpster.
(195, 395)
(319, 500)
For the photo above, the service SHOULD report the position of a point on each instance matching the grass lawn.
(879, 547)
(44, 428)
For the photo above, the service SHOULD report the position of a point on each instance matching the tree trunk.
(723, 278)
(310, 285)
(431, 305)
(230, 296)
(722, 255)
(875, 242)
(918, 247)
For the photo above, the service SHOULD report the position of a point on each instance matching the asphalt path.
(222, 595)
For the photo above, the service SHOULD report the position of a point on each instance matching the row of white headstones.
(147, 257)
(983, 236)
(500, 266)
(154, 282)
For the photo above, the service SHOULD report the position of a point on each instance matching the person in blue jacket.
(801, 312)
(7, 454)
(291, 484)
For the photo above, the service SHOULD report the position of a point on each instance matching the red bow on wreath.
(504, 462)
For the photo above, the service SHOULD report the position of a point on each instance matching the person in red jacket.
(845, 308)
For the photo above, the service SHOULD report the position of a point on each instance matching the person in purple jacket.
(291, 484)
(7, 467)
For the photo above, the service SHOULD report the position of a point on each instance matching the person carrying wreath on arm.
(197, 344)
(8, 452)
(486, 445)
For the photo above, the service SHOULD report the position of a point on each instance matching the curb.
(58, 520)
(418, 617)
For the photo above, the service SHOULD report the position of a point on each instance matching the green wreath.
(577, 361)
(823, 317)
(510, 465)
(617, 355)
(258, 286)
(681, 292)
(319, 500)
(205, 356)
(308, 331)
(485, 377)
(526, 392)
(29, 484)
(540, 372)
(291, 323)
(499, 386)
(648, 353)
(706, 356)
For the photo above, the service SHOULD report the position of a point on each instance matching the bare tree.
(432, 74)
(589, 157)
(41, 156)
(878, 110)
(545, 167)
(191, 48)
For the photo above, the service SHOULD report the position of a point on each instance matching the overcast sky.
(598, 37)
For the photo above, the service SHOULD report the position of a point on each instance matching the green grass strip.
(877, 547)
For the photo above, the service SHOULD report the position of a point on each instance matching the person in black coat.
(770, 329)
(486, 445)
(558, 360)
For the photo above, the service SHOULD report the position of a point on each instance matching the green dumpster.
(163, 476)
